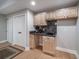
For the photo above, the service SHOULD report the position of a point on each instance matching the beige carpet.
(8, 52)
(2, 45)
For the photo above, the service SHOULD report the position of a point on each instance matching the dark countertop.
(42, 34)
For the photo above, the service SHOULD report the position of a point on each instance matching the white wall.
(30, 18)
(3, 28)
(30, 27)
(77, 27)
(66, 34)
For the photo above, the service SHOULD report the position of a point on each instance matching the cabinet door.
(66, 13)
(63, 13)
(43, 19)
(37, 37)
(32, 41)
(40, 19)
(47, 16)
(72, 12)
(40, 41)
(51, 16)
(49, 45)
(37, 19)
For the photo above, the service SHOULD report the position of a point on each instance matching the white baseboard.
(3, 41)
(27, 49)
(68, 51)
(77, 55)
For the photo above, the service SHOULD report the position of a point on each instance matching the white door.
(10, 30)
(19, 30)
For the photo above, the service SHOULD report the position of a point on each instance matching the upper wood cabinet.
(40, 19)
(51, 15)
(62, 13)
(73, 12)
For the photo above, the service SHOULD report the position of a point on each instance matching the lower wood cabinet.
(32, 41)
(37, 38)
(49, 45)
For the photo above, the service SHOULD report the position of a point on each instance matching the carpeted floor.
(9, 52)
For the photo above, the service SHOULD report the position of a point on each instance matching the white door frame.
(25, 26)
(26, 33)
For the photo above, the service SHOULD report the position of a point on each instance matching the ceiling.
(10, 6)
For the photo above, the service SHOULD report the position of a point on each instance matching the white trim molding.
(68, 51)
(3, 41)
(77, 55)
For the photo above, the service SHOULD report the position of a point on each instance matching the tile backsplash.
(50, 28)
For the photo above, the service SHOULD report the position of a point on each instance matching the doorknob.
(19, 32)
